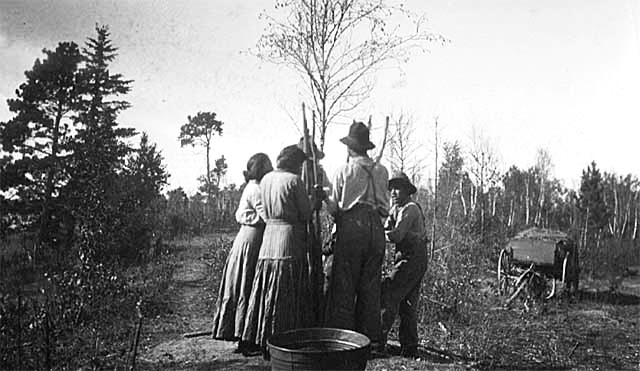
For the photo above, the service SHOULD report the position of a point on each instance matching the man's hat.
(358, 138)
(400, 179)
(319, 153)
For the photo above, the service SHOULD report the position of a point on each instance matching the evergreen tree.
(100, 148)
(593, 209)
(98, 185)
(148, 171)
(37, 137)
(591, 199)
(450, 175)
(200, 130)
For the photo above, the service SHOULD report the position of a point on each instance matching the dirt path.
(190, 300)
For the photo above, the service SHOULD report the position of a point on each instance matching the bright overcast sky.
(559, 75)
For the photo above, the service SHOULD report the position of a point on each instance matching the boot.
(409, 351)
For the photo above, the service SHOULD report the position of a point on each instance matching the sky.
(559, 75)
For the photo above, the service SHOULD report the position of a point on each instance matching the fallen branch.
(442, 248)
(439, 303)
(197, 334)
(446, 353)
(137, 338)
(573, 349)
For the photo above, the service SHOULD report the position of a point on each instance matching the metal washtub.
(319, 349)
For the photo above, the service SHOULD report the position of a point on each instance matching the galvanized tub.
(319, 349)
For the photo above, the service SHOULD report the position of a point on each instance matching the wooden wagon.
(538, 255)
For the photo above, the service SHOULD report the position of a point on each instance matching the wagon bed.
(545, 253)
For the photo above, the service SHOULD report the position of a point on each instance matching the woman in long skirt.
(239, 270)
(280, 297)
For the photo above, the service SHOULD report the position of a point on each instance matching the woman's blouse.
(250, 209)
(285, 198)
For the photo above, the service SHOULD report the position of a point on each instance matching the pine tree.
(147, 171)
(591, 199)
(97, 187)
(200, 130)
(593, 210)
(450, 175)
(101, 143)
(37, 137)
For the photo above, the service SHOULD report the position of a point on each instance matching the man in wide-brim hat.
(405, 227)
(358, 202)
(358, 138)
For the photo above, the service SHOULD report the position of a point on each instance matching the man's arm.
(336, 193)
(406, 218)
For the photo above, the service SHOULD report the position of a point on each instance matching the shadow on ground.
(608, 297)
(230, 364)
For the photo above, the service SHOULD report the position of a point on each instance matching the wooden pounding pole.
(316, 257)
(313, 242)
(384, 139)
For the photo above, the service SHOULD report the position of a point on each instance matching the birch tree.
(544, 169)
(337, 46)
(483, 168)
(403, 148)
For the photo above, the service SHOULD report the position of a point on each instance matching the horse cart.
(538, 258)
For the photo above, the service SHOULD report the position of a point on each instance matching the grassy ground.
(596, 329)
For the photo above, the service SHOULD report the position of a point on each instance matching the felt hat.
(400, 179)
(319, 153)
(358, 138)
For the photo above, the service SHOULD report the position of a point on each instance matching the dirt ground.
(603, 331)
(190, 298)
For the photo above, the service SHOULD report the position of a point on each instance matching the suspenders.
(373, 184)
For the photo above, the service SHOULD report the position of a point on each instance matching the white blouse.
(250, 209)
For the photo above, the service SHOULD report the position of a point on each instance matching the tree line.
(473, 197)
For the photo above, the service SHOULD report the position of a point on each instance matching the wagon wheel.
(505, 281)
(550, 292)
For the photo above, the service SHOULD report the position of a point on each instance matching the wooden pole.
(384, 139)
(310, 179)
(435, 196)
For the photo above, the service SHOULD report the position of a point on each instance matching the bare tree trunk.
(493, 205)
(538, 218)
(611, 220)
(208, 177)
(616, 211)
(510, 220)
(435, 206)
(464, 204)
(51, 175)
(482, 198)
(627, 211)
(635, 223)
(526, 203)
(450, 206)
(473, 194)
(586, 224)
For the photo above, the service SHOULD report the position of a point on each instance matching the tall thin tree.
(200, 130)
(37, 134)
(336, 46)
